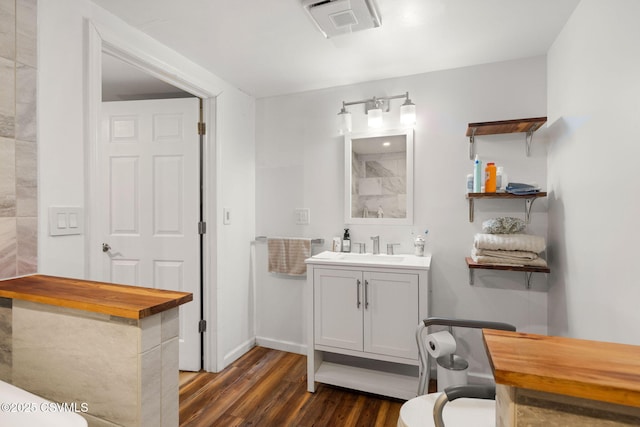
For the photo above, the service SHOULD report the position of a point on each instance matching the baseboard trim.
(287, 346)
(238, 352)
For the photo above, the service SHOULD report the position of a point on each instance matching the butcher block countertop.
(132, 302)
(601, 371)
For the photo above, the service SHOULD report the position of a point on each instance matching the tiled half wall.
(18, 142)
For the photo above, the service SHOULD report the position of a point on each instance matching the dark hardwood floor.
(269, 388)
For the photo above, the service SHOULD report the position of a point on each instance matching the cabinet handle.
(366, 294)
(358, 294)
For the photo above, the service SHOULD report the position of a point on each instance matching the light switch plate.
(226, 216)
(65, 220)
(303, 216)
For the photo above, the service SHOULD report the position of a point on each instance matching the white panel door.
(149, 166)
(391, 314)
(338, 308)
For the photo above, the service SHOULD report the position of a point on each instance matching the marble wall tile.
(170, 324)
(8, 29)
(150, 387)
(8, 248)
(7, 87)
(7, 178)
(5, 340)
(26, 20)
(26, 171)
(150, 333)
(27, 237)
(7, 126)
(66, 357)
(170, 383)
(26, 78)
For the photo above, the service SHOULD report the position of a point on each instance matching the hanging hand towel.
(287, 255)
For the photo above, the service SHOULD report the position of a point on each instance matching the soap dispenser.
(346, 241)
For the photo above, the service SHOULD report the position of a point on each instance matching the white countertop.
(406, 261)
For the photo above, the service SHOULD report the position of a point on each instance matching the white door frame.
(133, 51)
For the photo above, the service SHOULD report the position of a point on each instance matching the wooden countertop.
(602, 371)
(132, 302)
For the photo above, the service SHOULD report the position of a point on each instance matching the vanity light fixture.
(374, 108)
(408, 112)
(344, 121)
(374, 119)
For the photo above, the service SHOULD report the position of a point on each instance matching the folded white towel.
(510, 242)
(504, 254)
(521, 262)
(287, 255)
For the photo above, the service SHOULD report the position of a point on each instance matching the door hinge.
(202, 326)
(202, 227)
(202, 128)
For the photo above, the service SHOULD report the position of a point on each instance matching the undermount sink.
(371, 258)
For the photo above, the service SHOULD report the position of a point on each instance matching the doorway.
(113, 262)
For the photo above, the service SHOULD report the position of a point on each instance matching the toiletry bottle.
(470, 183)
(499, 172)
(346, 241)
(419, 245)
(490, 178)
(477, 175)
(337, 244)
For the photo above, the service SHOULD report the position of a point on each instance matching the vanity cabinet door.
(338, 308)
(391, 314)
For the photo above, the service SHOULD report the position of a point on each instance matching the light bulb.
(375, 118)
(344, 121)
(408, 113)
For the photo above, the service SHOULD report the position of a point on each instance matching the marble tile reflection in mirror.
(380, 178)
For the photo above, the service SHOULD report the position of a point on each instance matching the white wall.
(299, 161)
(62, 153)
(594, 103)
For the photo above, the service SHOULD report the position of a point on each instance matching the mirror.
(379, 177)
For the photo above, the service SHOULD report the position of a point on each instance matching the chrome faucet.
(362, 247)
(376, 244)
(390, 248)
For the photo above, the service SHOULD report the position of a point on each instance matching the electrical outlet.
(302, 216)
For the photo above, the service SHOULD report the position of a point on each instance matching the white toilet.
(24, 409)
(418, 412)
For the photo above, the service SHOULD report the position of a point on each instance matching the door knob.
(106, 247)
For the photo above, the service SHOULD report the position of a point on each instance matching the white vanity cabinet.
(363, 313)
(369, 311)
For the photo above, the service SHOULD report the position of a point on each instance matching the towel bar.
(313, 241)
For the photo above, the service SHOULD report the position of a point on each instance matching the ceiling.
(271, 47)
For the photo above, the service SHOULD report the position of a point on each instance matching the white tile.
(150, 385)
(63, 356)
(170, 324)
(170, 381)
(150, 332)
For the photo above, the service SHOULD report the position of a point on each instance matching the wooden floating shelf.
(472, 264)
(506, 195)
(528, 198)
(528, 270)
(506, 126)
(527, 126)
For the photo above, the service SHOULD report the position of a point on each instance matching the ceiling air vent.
(335, 17)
